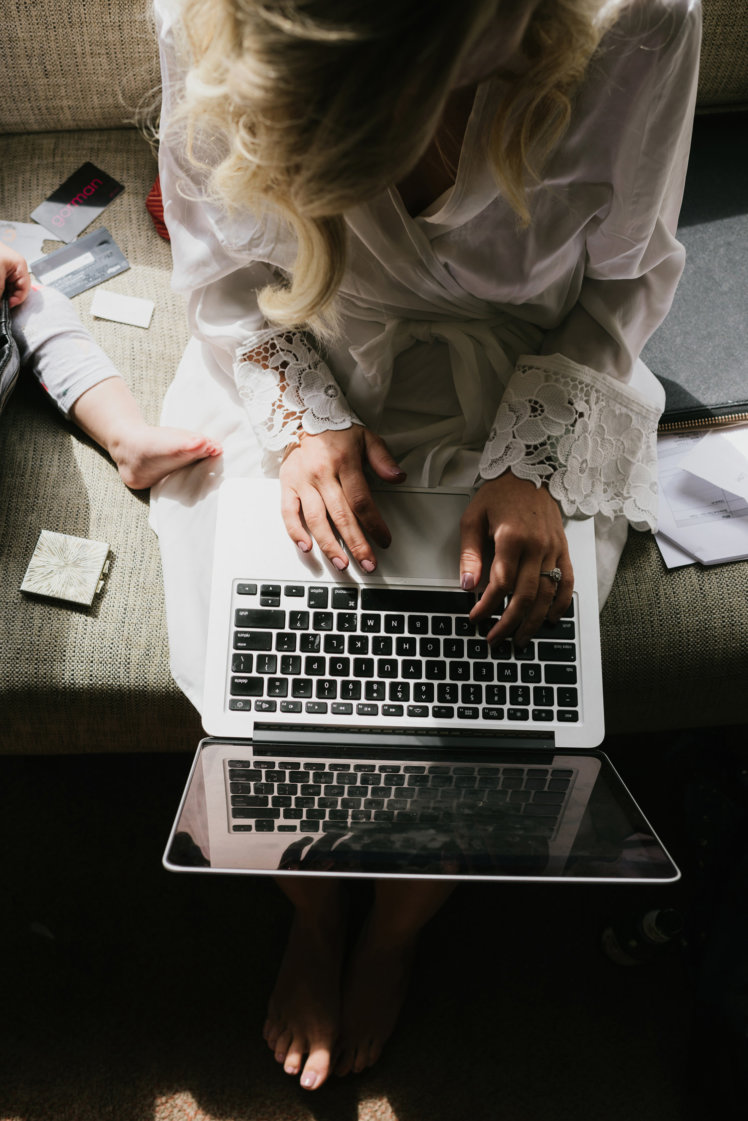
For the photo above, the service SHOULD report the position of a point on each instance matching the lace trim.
(591, 440)
(287, 389)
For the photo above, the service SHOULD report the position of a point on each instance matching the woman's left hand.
(522, 524)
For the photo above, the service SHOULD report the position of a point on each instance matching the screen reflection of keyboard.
(407, 655)
(290, 796)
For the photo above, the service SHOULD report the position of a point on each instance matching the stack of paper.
(703, 497)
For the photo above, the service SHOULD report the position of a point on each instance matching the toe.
(344, 1062)
(294, 1057)
(316, 1068)
(281, 1046)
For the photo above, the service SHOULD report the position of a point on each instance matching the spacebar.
(416, 599)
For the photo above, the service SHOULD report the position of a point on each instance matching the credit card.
(77, 201)
(87, 262)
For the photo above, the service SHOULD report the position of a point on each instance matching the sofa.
(77, 83)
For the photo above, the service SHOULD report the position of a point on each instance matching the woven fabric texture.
(723, 78)
(76, 66)
(675, 644)
(95, 65)
(75, 679)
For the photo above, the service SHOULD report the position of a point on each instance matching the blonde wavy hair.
(311, 107)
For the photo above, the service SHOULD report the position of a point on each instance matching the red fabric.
(155, 206)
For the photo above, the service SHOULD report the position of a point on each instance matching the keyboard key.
(277, 687)
(371, 624)
(267, 663)
(381, 646)
(446, 693)
(367, 710)
(459, 671)
(242, 663)
(465, 712)
(256, 618)
(392, 710)
(471, 694)
(326, 689)
(310, 643)
(350, 690)
(429, 647)
(358, 644)
(316, 708)
(246, 589)
(339, 667)
(560, 675)
(476, 648)
(253, 640)
(418, 712)
(531, 674)
(542, 696)
(443, 712)
(322, 620)
(375, 690)
(247, 687)
(542, 715)
(568, 716)
(399, 691)
(568, 698)
(333, 644)
(387, 667)
(317, 596)
(345, 599)
(411, 669)
(314, 666)
(346, 621)
(417, 624)
(290, 665)
(298, 620)
(301, 689)
(441, 625)
(506, 672)
(296, 591)
(557, 651)
(363, 667)
(519, 695)
(517, 714)
(423, 692)
(285, 643)
(394, 624)
(290, 706)
(405, 647)
(491, 713)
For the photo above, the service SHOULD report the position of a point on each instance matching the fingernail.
(468, 582)
(368, 566)
(339, 563)
(309, 1081)
(303, 546)
(398, 473)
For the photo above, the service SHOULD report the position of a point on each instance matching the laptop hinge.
(270, 735)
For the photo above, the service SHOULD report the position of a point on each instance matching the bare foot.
(146, 453)
(304, 1009)
(373, 994)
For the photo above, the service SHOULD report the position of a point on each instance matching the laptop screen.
(481, 815)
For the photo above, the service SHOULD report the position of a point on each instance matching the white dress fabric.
(470, 345)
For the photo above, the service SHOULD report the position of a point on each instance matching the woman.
(432, 239)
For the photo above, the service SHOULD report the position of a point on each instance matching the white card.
(122, 309)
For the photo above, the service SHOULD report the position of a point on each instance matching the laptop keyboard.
(294, 796)
(406, 656)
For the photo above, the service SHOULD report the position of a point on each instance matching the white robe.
(447, 315)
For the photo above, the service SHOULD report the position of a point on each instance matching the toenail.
(291, 1068)
(309, 1080)
(280, 1056)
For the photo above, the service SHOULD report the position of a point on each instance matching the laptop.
(360, 724)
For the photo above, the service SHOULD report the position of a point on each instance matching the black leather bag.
(10, 361)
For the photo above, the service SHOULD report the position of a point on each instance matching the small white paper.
(122, 309)
(26, 238)
(706, 521)
(721, 458)
(673, 556)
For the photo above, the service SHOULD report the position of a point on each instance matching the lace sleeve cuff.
(287, 390)
(590, 439)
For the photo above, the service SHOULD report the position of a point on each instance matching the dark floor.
(135, 994)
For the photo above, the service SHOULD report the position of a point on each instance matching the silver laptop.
(361, 724)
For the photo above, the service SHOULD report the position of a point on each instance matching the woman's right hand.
(323, 481)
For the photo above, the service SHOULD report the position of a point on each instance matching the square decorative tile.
(65, 567)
